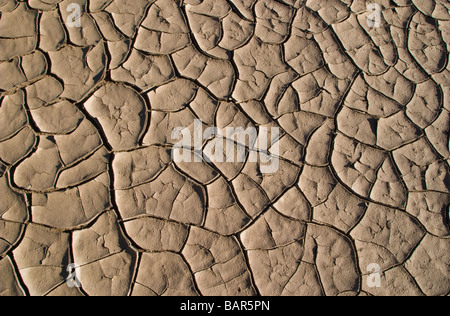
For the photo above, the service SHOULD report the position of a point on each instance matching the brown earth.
(86, 120)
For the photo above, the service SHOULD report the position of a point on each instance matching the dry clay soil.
(86, 120)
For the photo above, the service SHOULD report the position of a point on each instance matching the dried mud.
(358, 205)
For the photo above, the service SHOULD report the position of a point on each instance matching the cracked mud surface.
(86, 175)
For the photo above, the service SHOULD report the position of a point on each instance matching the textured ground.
(86, 175)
